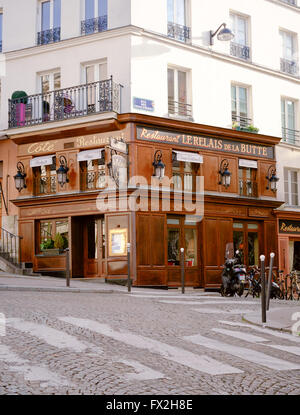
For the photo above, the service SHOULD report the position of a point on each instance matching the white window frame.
(51, 14)
(96, 65)
(289, 181)
(235, 16)
(186, 13)
(283, 34)
(295, 102)
(177, 69)
(96, 11)
(51, 79)
(249, 100)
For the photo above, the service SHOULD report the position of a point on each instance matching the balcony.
(98, 24)
(288, 66)
(62, 104)
(0, 46)
(240, 51)
(291, 2)
(248, 188)
(48, 36)
(44, 185)
(290, 136)
(179, 109)
(179, 32)
(92, 180)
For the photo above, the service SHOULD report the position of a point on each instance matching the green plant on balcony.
(250, 128)
(21, 96)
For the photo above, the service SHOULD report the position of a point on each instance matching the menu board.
(118, 242)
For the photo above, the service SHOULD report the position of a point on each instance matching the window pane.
(241, 31)
(102, 7)
(102, 71)
(1, 25)
(56, 80)
(171, 84)
(46, 15)
(89, 9)
(90, 74)
(290, 115)
(45, 79)
(57, 13)
(171, 11)
(173, 247)
(173, 221)
(238, 225)
(62, 227)
(190, 247)
(46, 231)
(233, 98)
(238, 242)
(243, 101)
(253, 248)
(180, 12)
(182, 87)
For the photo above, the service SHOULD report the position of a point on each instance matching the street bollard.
(182, 269)
(272, 255)
(67, 267)
(263, 288)
(128, 268)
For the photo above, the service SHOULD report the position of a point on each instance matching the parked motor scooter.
(233, 275)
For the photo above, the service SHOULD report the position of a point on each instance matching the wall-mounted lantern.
(20, 177)
(225, 175)
(272, 179)
(62, 172)
(224, 34)
(159, 167)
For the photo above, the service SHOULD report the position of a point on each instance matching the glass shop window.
(184, 175)
(54, 233)
(182, 234)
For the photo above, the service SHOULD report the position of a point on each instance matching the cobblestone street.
(149, 342)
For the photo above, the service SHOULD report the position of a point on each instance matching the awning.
(90, 154)
(42, 161)
(252, 164)
(188, 157)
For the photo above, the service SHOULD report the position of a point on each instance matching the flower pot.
(20, 114)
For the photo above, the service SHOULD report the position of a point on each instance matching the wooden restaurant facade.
(242, 212)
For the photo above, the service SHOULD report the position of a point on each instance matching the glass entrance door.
(94, 236)
(246, 240)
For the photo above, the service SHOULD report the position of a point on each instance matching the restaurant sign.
(289, 226)
(205, 143)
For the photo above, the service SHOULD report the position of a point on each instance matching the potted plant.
(47, 247)
(46, 111)
(20, 100)
(60, 242)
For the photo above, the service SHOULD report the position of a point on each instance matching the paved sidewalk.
(277, 318)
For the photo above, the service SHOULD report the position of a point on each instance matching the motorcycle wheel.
(225, 293)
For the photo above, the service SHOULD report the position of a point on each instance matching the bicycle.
(295, 285)
(254, 287)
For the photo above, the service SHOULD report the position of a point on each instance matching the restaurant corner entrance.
(88, 246)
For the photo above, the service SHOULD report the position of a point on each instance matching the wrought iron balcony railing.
(44, 185)
(240, 51)
(290, 136)
(92, 180)
(179, 32)
(291, 2)
(98, 24)
(61, 104)
(0, 46)
(48, 36)
(248, 188)
(179, 109)
(288, 66)
(241, 120)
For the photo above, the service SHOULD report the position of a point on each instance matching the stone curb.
(62, 289)
(267, 326)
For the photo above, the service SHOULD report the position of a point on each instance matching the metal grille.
(98, 24)
(288, 66)
(179, 32)
(291, 136)
(240, 51)
(248, 188)
(48, 36)
(179, 108)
